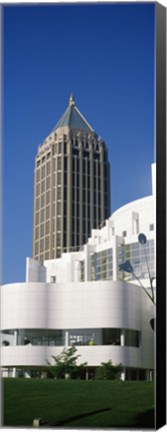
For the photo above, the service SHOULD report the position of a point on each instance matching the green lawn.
(77, 403)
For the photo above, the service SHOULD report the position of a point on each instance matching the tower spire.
(71, 100)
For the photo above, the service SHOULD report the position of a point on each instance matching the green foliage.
(66, 364)
(108, 371)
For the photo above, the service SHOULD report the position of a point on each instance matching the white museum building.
(84, 296)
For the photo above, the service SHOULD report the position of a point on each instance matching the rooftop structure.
(73, 118)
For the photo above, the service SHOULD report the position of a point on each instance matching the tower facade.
(71, 186)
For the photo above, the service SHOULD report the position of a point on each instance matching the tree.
(66, 364)
(107, 371)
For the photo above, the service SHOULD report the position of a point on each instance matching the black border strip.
(161, 214)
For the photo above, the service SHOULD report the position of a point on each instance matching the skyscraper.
(71, 186)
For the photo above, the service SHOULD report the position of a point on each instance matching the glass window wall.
(141, 257)
(90, 336)
(102, 265)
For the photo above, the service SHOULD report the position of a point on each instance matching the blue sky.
(104, 54)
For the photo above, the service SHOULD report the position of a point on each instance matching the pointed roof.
(73, 118)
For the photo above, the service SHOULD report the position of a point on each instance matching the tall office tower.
(72, 186)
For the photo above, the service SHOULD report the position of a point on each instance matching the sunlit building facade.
(84, 296)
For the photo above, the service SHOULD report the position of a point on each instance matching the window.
(42, 230)
(37, 218)
(135, 223)
(58, 224)
(42, 215)
(53, 149)
(43, 186)
(48, 168)
(65, 193)
(96, 156)
(47, 228)
(64, 237)
(59, 163)
(37, 233)
(59, 147)
(135, 253)
(54, 180)
(65, 164)
(124, 233)
(37, 189)
(47, 242)
(37, 204)
(58, 208)
(151, 227)
(111, 336)
(38, 175)
(53, 279)
(102, 265)
(132, 338)
(41, 245)
(103, 336)
(82, 271)
(59, 193)
(36, 248)
(47, 212)
(85, 153)
(53, 210)
(48, 183)
(75, 152)
(47, 197)
(59, 178)
(58, 239)
(43, 172)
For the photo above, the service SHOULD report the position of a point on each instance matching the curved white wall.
(104, 304)
(123, 217)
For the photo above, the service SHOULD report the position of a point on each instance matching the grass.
(70, 403)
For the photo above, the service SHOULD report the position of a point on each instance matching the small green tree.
(66, 364)
(107, 371)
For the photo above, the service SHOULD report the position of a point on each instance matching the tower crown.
(73, 118)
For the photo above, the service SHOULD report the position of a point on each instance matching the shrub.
(66, 364)
(107, 371)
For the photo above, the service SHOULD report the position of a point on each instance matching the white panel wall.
(78, 305)
(123, 220)
(24, 355)
(35, 271)
(24, 305)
